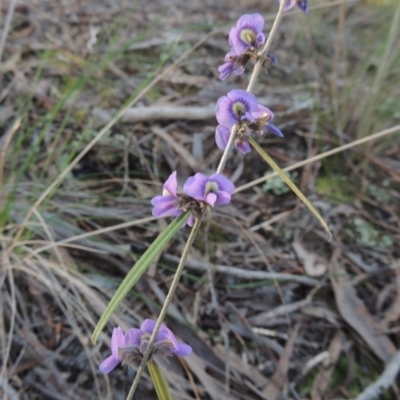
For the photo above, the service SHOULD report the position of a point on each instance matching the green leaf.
(160, 384)
(138, 269)
(288, 181)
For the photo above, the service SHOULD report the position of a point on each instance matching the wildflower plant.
(240, 116)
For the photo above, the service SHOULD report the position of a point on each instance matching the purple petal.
(211, 198)
(133, 337)
(163, 334)
(223, 198)
(224, 184)
(224, 112)
(165, 206)
(148, 326)
(262, 112)
(243, 146)
(171, 184)
(195, 186)
(260, 39)
(117, 340)
(222, 135)
(302, 4)
(190, 220)
(245, 97)
(225, 70)
(239, 70)
(255, 21)
(108, 364)
(289, 4)
(182, 350)
(273, 129)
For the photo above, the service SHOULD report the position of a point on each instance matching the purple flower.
(131, 346)
(222, 135)
(302, 4)
(216, 189)
(165, 344)
(236, 106)
(117, 341)
(241, 107)
(233, 63)
(170, 203)
(247, 34)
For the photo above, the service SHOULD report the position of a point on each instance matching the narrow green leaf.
(138, 269)
(288, 181)
(160, 384)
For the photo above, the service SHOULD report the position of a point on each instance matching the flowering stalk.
(167, 302)
(253, 78)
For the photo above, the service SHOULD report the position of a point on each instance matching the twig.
(384, 381)
(167, 302)
(161, 112)
(7, 25)
(320, 156)
(263, 53)
(4, 143)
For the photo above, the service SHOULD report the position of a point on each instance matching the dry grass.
(76, 212)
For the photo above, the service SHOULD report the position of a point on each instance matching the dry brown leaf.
(355, 313)
(321, 381)
(279, 378)
(314, 265)
(214, 388)
(393, 312)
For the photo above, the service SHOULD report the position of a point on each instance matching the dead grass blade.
(355, 313)
(279, 378)
(321, 156)
(5, 141)
(323, 378)
(289, 182)
(384, 381)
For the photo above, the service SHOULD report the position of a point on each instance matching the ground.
(271, 307)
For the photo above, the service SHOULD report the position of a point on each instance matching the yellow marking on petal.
(248, 36)
(238, 109)
(166, 193)
(211, 187)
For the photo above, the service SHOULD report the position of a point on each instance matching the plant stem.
(263, 53)
(227, 150)
(167, 302)
(250, 87)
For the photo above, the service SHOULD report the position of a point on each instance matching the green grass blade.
(138, 269)
(288, 181)
(160, 384)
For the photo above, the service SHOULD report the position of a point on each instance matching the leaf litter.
(258, 353)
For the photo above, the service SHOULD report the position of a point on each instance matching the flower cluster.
(130, 347)
(198, 191)
(245, 39)
(241, 108)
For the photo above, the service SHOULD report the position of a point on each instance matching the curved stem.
(263, 53)
(164, 309)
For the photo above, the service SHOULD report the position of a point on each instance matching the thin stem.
(263, 53)
(320, 157)
(228, 148)
(167, 302)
